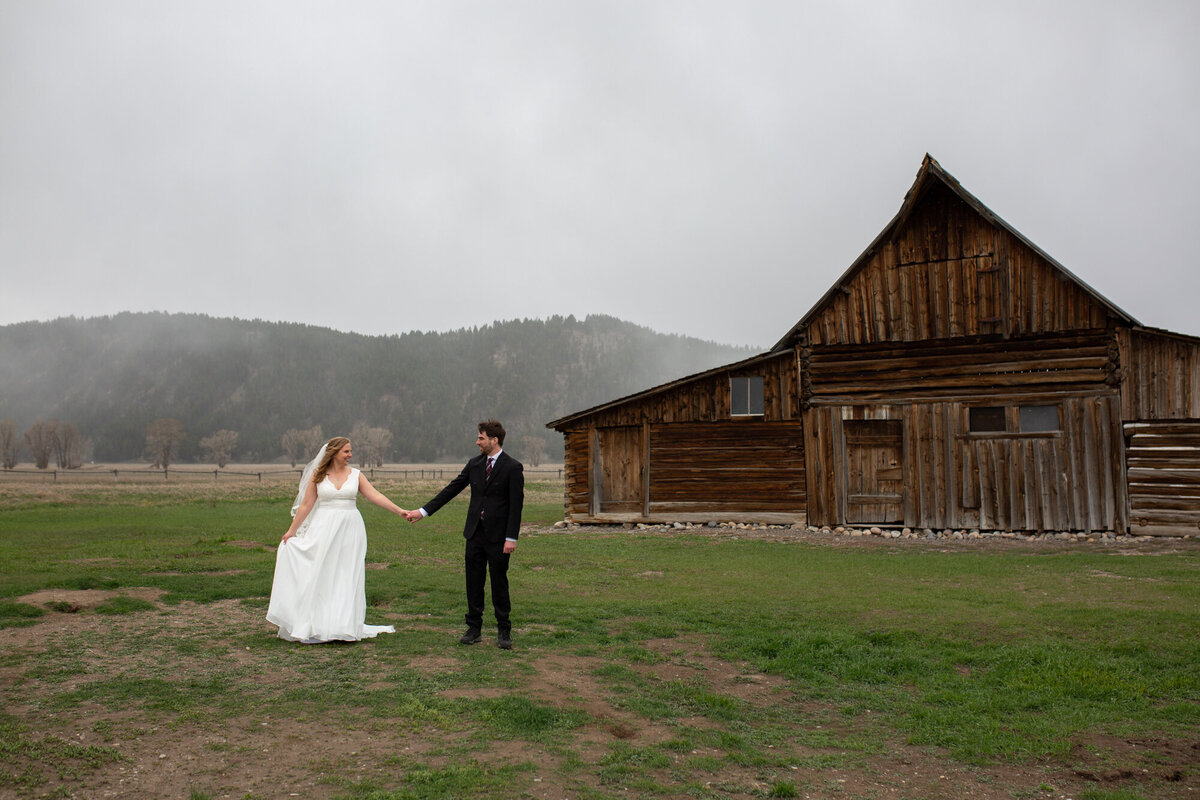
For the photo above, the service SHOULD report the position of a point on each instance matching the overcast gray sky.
(704, 168)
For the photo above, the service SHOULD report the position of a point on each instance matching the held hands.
(414, 516)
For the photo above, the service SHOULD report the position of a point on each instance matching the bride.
(318, 594)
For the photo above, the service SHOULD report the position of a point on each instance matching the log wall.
(1164, 476)
(948, 272)
(727, 467)
(1061, 362)
(576, 473)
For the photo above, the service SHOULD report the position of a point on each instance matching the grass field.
(135, 661)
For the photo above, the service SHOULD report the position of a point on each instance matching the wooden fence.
(143, 475)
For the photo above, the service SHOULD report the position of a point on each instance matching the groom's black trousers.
(481, 558)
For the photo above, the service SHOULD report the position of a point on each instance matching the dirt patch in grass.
(687, 660)
(1113, 761)
(258, 752)
(76, 600)
(261, 754)
(432, 664)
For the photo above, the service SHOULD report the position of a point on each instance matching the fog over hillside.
(112, 376)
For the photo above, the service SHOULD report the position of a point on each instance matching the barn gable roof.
(929, 173)
(558, 424)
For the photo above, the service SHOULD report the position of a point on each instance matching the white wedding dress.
(319, 591)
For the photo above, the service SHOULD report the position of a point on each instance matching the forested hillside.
(112, 376)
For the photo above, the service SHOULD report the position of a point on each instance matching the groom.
(497, 482)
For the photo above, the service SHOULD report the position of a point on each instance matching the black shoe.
(504, 640)
(470, 637)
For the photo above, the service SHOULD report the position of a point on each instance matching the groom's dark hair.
(493, 430)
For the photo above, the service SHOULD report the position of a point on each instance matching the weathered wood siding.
(1070, 479)
(951, 309)
(677, 454)
(949, 273)
(1163, 460)
(706, 399)
(620, 469)
(1161, 375)
(1062, 362)
(875, 470)
(730, 466)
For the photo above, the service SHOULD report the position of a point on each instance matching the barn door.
(874, 471)
(620, 470)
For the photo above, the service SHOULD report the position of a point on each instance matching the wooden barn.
(955, 376)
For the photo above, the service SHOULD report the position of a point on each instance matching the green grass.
(124, 605)
(446, 783)
(18, 614)
(982, 657)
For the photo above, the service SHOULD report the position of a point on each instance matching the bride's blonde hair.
(331, 449)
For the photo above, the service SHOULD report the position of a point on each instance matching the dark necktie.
(487, 473)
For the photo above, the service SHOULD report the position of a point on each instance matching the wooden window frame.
(1012, 423)
(749, 396)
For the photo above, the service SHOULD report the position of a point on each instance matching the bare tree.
(314, 438)
(219, 446)
(40, 438)
(81, 451)
(533, 448)
(372, 445)
(163, 437)
(292, 448)
(10, 444)
(299, 444)
(66, 445)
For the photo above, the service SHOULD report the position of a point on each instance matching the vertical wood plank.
(1030, 488)
(1093, 471)
(949, 437)
(646, 469)
(1076, 463)
(1002, 453)
(986, 510)
(839, 466)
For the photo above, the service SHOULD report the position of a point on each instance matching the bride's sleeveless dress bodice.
(332, 498)
(319, 591)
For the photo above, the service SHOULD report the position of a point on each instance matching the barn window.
(1003, 419)
(987, 419)
(1039, 418)
(746, 396)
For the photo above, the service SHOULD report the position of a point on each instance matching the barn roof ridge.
(931, 170)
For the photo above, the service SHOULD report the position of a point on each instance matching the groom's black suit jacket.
(499, 497)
